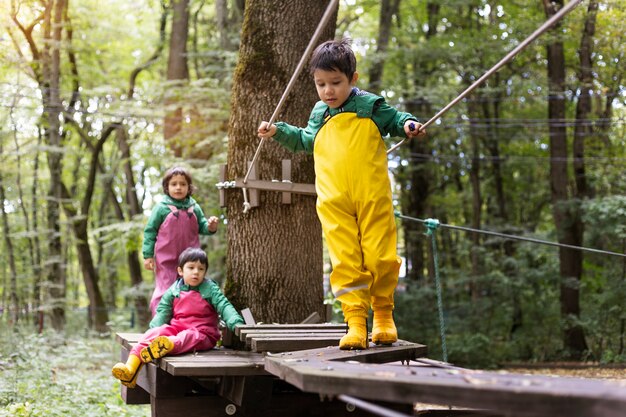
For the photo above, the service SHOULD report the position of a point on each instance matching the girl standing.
(175, 224)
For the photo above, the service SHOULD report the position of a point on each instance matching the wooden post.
(286, 174)
(222, 189)
(253, 194)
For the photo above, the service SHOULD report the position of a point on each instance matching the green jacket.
(160, 212)
(191, 312)
(388, 119)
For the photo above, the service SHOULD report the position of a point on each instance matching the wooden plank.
(313, 318)
(401, 351)
(247, 317)
(298, 326)
(245, 334)
(290, 187)
(286, 176)
(511, 394)
(287, 344)
(222, 191)
(217, 362)
(253, 193)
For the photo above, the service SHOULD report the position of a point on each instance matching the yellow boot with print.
(127, 372)
(159, 347)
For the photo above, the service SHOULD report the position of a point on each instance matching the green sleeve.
(223, 307)
(203, 223)
(298, 139)
(163, 313)
(152, 229)
(390, 120)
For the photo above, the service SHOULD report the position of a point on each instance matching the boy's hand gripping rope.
(546, 25)
(332, 6)
(431, 228)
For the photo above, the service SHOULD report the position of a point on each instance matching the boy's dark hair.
(335, 55)
(177, 171)
(193, 255)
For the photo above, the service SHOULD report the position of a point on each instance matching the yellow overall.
(355, 209)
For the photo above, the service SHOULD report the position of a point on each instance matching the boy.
(354, 204)
(186, 319)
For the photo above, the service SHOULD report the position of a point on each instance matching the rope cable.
(325, 18)
(545, 26)
(507, 236)
(431, 228)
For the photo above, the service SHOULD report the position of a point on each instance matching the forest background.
(97, 102)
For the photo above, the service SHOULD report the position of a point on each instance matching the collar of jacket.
(181, 204)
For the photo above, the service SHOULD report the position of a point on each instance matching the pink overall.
(193, 326)
(178, 232)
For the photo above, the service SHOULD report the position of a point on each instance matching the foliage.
(515, 316)
(51, 374)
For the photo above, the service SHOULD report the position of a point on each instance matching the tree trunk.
(563, 210)
(388, 8)
(177, 75)
(52, 108)
(134, 210)
(477, 200)
(13, 298)
(275, 250)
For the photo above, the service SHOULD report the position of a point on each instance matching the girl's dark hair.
(177, 171)
(335, 55)
(193, 255)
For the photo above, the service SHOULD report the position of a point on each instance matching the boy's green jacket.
(388, 119)
(209, 291)
(160, 212)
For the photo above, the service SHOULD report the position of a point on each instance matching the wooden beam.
(295, 188)
(286, 174)
(222, 191)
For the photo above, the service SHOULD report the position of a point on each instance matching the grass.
(52, 375)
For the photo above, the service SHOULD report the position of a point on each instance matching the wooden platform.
(429, 381)
(298, 370)
(220, 381)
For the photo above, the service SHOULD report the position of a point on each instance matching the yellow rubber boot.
(356, 338)
(159, 347)
(127, 372)
(384, 330)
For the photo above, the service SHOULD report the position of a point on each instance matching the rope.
(431, 228)
(545, 26)
(527, 239)
(325, 18)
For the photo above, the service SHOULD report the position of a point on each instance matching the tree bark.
(388, 8)
(275, 250)
(52, 110)
(564, 210)
(177, 76)
(8, 244)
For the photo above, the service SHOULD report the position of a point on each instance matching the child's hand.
(266, 131)
(148, 263)
(412, 129)
(213, 222)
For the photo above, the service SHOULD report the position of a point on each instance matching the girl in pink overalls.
(175, 224)
(186, 320)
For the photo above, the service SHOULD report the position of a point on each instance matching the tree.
(275, 250)
(564, 208)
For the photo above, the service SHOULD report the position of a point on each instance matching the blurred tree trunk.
(8, 244)
(477, 199)
(388, 9)
(177, 77)
(419, 176)
(564, 209)
(50, 85)
(275, 250)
